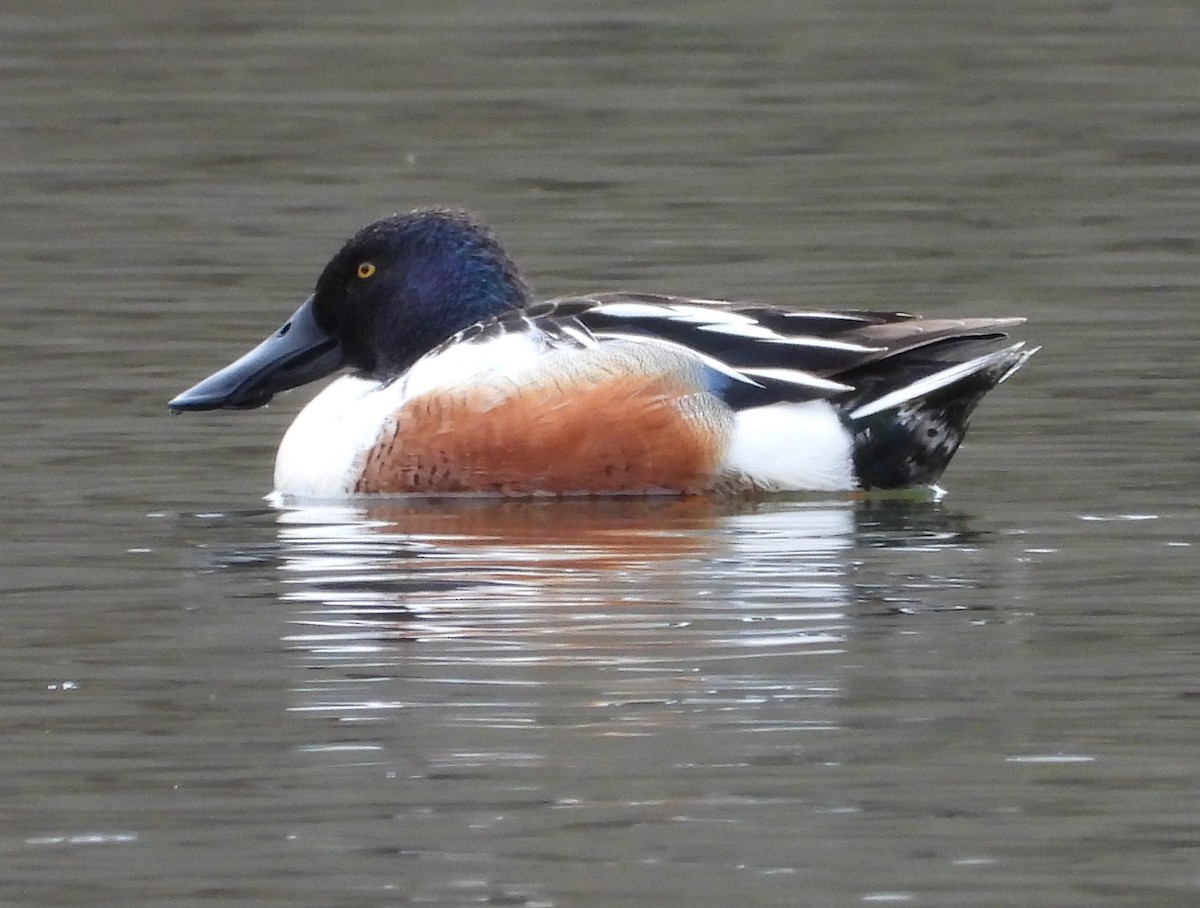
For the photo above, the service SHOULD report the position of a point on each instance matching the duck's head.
(394, 291)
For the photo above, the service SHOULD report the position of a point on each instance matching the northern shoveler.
(460, 383)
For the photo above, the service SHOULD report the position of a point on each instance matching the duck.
(456, 381)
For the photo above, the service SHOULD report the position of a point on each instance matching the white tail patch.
(790, 447)
(942, 379)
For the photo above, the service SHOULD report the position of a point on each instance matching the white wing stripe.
(931, 383)
(711, 362)
(825, 316)
(763, 333)
(585, 339)
(797, 377)
(733, 324)
(694, 314)
(632, 310)
(708, 316)
(824, 344)
(752, 330)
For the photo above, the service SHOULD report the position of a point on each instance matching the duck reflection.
(400, 568)
(471, 634)
(480, 610)
(419, 566)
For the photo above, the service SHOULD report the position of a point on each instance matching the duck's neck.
(448, 296)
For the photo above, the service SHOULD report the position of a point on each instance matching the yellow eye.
(365, 269)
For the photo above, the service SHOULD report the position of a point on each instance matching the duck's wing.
(797, 355)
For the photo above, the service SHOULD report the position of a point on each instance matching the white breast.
(321, 452)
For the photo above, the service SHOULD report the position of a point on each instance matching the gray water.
(992, 700)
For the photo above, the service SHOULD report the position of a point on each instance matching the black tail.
(908, 414)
